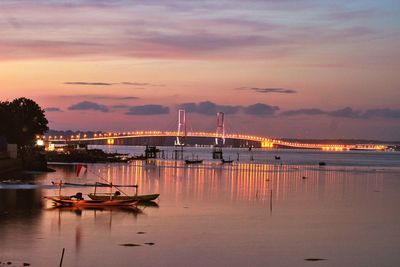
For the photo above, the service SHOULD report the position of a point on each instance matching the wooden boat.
(117, 195)
(193, 161)
(226, 161)
(138, 198)
(76, 202)
(101, 199)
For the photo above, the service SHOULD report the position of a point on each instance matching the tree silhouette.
(21, 120)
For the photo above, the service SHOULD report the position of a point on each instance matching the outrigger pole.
(111, 185)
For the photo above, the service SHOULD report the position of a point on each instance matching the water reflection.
(243, 181)
(237, 213)
(94, 210)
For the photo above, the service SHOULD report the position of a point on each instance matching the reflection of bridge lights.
(110, 141)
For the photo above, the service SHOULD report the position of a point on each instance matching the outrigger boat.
(77, 200)
(112, 196)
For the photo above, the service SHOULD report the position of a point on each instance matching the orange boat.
(78, 201)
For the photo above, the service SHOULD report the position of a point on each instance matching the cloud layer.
(52, 109)
(178, 29)
(111, 84)
(87, 105)
(347, 112)
(261, 109)
(148, 110)
(209, 108)
(269, 90)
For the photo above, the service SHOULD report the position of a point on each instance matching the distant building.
(7, 150)
(12, 150)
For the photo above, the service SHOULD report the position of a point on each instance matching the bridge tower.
(220, 134)
(219, 138)
(181, 137)
(180, 141)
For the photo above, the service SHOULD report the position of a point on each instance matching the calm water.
(215, 215)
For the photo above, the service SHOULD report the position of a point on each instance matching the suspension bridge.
(183, 137)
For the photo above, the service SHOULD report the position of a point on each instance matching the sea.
(269, 207)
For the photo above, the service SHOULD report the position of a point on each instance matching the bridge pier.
(217, 153)
(178, 153)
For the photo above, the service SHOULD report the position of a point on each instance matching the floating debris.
(130, 245)
(315, 259)
(304, 177)
(150, 243)
(26, 264)
(140, 233)
(321, 163)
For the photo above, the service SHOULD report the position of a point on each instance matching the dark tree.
(21, 120)
(5, 120)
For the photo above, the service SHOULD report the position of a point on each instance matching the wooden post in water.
(62, 257)
(59, 189)
(270, 202)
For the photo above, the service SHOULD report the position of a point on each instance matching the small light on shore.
(39, 142)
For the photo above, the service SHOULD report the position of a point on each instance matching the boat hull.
(138, 198)
(90, 203)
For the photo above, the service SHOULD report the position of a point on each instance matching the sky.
(276, 68)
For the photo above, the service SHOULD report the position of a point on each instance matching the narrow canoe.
(196, 161)
(139, 198)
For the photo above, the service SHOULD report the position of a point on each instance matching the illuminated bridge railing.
(265, 141)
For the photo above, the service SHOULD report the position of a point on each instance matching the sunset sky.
(277, 68)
